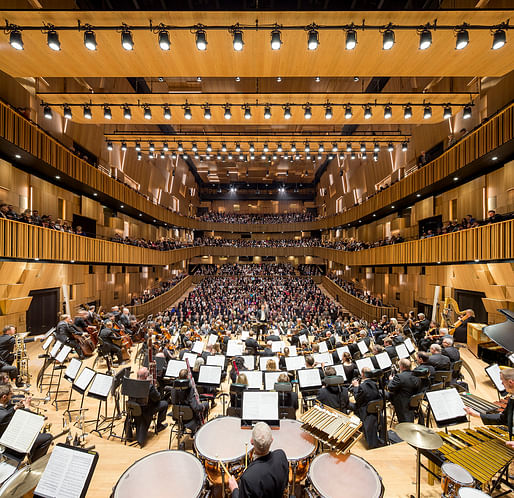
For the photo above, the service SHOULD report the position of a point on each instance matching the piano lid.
(502, 333)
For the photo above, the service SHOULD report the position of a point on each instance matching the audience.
(257, 218)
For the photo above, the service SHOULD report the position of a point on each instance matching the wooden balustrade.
(486, 243)
(355, 305)
(16, 129)
(165, 300)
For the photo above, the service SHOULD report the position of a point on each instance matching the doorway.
(43, 311)
(467, 299)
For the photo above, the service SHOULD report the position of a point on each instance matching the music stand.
(121, 374)
(100, 389)
(260, 406)
(447, 407)
(139, 391)
(70, 375)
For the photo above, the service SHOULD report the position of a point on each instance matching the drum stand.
(291, 493)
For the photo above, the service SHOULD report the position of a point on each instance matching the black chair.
(436, 386)
(456, 370)
(444, 376)
(415, 406)
(102, 353)
(181, 412)
(285, 410)
(236, 400)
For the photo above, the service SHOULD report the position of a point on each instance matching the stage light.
(237, 40)
(201, 39)
(375, 156)
(107, 112)
(138, 146)
(163, 155)
(321, 148)
(230, 156)
(328, 112)
(265, 148)
(267, 112)
(151, 146)
(363, 147)
(334, 147)
(15, 39)
(251, 148)
(238, 147)
(390, 147)
(241, 157)
(404, 146)
(364, 155)
(167, 112)
(376, 147)
(126, 39)
(227, 114)
(388, 112)
(67, 111)
(139, 159)
(351, 39)
(427, 112)
(109, 145)
(348, 112)
(123, 146)
(180, 147)
(279, 147)
(274, 157)
(462, 39)
(218, 156)
(388, 39)
(466, 113)
(447, 112)
(87, 112)
(307, 112)
(348, 146)
(293, 147)
(207, 112)
(187, 112)
(164, 39)
(209, 147)
(194, 148)
(353, 155)
(367, 112)
(499, 39)
(90, 40)
(312, 39)
(263, 157)
(407, 112)
(287, 112)
(224, 147)
(174, 155)
(165, 147)
(52, 39)
(276, 40)
(425, 39)
(147, 113)
(307, 147)
(248, 112)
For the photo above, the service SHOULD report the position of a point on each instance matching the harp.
(450, 314)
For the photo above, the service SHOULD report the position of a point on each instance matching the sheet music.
(84, 379)
(325, 358)
(295, 363)
(174, 367)
(446, 404)
(340, 371)
(408, 344)
(191, 357)
(73, 368)
(244, 335)
(323, 347)
(174, 339)
(102, 385)
(235, 348)
(209, 375)
(341, 350)
(197, 347)
(249, 361)
(292, 351)
(364, 362)
(254, 379)
(260, 405)
(48, 341)
(303, 339)
(363, 348)
(22, 431)
(66, 473)
(383, 360)
(63, 353)
(402, 352)
(277, 346)
(6, 470)
(213, 339)
(55, 349)
(269, 380)
(494, 374)
(49, 333)
(264, 359)
(216, 359)
(309, 377)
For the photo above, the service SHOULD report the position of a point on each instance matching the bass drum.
(333, 476)
(472, 493)
(165, 474)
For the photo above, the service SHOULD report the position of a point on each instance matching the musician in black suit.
(505, 417)
(461, 332)
(420, 327)
(7, 343)
(334, 396)
(401, 387)
(108, 335)
(267, 350)
(64, 332)
(124, 318)
(389, 348)
(267, 475)
(422, 361)
(437, 360)
(364, 393)
(449, 350)
(251, 342)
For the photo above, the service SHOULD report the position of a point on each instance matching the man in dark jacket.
(335, 396)
(437, 360)
(401, 387)
(64, 333)
(364, 393)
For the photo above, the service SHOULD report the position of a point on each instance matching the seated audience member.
(334, 396)
(492, 217)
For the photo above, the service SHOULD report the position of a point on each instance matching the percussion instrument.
(333, 428)
(471, 493)
(24, 480)
(482, 406)
(168, 473)
(332, 476)
(419, 436)
(298, 445)
(453, 478)
(222, 439)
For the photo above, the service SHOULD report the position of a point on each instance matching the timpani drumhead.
(223, 439)
(350, 476)
(472, 493)
(457, 474)
(296, 443)
(165, 474)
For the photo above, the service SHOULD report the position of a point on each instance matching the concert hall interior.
(256, 250)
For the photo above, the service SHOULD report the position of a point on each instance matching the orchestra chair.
(181, 412)
(134, 407)
(456, 370)
(102, 353)
(444, 376)
(376, 407)
(285, 410)
(236, 400)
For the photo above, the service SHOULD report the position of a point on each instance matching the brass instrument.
(21, 359)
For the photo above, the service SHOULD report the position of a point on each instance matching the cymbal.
(419, 436)
(26, 479)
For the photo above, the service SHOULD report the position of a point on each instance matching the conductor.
(268, 474)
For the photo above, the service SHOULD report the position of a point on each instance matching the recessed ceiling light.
(57, 177)
(418, 195)
(495, 158)
(95, 194)
(122, 206)
(17, 156)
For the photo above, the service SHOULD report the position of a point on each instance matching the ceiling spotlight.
(274, 156)
(107, 112)
(218, 156)
(164, 39)
(404, 146)
(238, 79)
(348, 112)
(52, 39)
(447, 112)
(227, 114)
(180, 147)
(201, 39)
(499, 39)
(317, 79)
(194, 148)
(388, 39)
(224, 147)
(425, 39)
(90, 40)
(267, 112)
(427, 112)
(185, 156)
(328, 112)
(252, 157)
(287, 112)
(407, 112)
(127, 113)
(376, 147)
(312, 39)
(174, 155)
(307, 156)
(341, 156)
(279, 79)
(388, 112)
(375, 156)
(163, 155)
(166, 112)
(351, 39)
(307, 147)
(348, 146)
(207, 112)
(229, 157)
(151, 147)
(150, 156)
(209, 147)
(364, 155)
(109, 145)
(87, 112)
(307, 112)
(276, 40)
(265, 148)
(263, 157)
(238, 147)
(390, 147)
(321, 148)
(252, 148)
(237, 40)
(123, 146)
(293, 147)
(248, 112)
(279, 147)
(334, 147)
(363, 147)
(165, 147)
(367, 112)
(241, 157)
(147, 112)
(15, 39)
(187, 112)
(138, 146)
(139, 156)
(126, 39)
(462, 40)
(466, 113)
(67, 111)
(353, 155)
